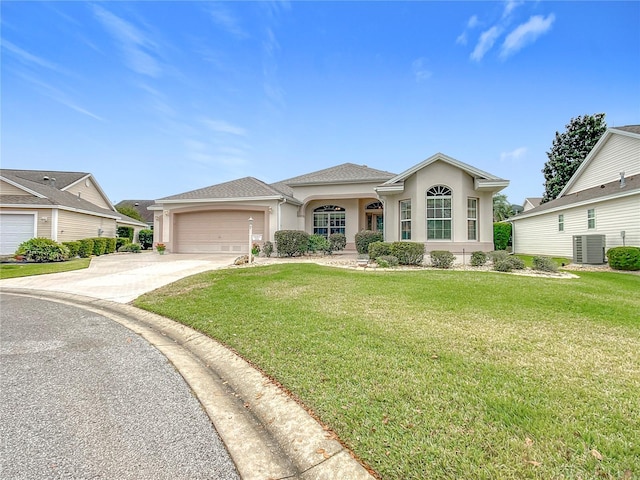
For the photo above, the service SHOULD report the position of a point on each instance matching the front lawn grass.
(441, 374)
(14, 270)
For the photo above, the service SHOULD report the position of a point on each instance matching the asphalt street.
(81, 396)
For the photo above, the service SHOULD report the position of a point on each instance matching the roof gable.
(483, 180)
(57, 179)
(344, 173)
(632, 131)
(243, 188)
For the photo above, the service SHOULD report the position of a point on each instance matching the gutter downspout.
(279, 219)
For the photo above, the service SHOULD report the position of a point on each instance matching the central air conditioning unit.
(589, 249)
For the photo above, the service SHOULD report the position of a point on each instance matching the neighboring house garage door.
(15, 229)
(216, 231)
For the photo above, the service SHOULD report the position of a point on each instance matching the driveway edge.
(267, 434)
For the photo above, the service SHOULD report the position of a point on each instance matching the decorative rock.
(241, 260)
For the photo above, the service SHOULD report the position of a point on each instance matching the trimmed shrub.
(544, 264)
(126, 232)
(498, 255)
(501, 235)
(478, 259)
(379, 249)
(337, 242)
(267, 248)
(387, 261)
(508, 263)
(624, 258)
(290, 243)
(318, 243)
(442, 258)
(408, 253)
(43, 250)
(130, 247)
(364, 238)
(86, 247)
(120, 241)
(145, 237)
(111, 245)
(73, 248)
(99, 245)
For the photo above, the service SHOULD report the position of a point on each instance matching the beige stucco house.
(601, 201)
(62, 206)
(441, 202)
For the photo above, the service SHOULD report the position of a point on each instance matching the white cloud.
(134, 43)
(473, 22)
(220, 126)
(514, 156)
(487, 39)
(526, 33)
(225, 19)
(462, 39)
(419, 68)
(30, 59)
(510, 6)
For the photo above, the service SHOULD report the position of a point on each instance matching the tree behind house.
(568, 151)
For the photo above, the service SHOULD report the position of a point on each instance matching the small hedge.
(99, 245)
(125, 232)
(501, 235)
(290, 243)
(379, 249)
(145, 237)
(120, 241)
(544, 264)
(364, 238)
(624, 258)
(442, 258)
(386, 261)
(408, 253)
(267, 248)
(111, 245)
(478, 259)
(86, 247)
(43, 250)
(337, 242)
(73, 247)
(318, 243)
(508, 263)
(130, 247)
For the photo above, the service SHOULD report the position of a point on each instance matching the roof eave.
(222, 200)
(397, 188)
(21, 187)
(482, 185)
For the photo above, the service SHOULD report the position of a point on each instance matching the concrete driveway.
(122, 277)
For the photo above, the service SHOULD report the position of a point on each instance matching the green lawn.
(13, 270)
(441, 374)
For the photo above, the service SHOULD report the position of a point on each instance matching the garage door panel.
(216, 231)
(15, 229)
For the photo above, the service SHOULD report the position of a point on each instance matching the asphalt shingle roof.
(247, 187)
(62, 179)
(345, 173)
(629, 128)
(140, 206)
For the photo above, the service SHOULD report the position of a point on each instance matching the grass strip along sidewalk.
(441, 374)
(17, 269)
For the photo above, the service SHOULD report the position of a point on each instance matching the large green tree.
(502, 209)
(568, 151)
(129, 211)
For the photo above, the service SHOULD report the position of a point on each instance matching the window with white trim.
(591, 218)
(329, 219)
(439, 213)
(561, 222)
(405, 219)
(472, 219)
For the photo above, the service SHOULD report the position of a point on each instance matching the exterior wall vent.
(589, 249)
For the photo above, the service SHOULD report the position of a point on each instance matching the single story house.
(441, 202)
(62, 206)
(600, 203)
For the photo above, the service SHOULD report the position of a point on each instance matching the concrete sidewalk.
(268, 435)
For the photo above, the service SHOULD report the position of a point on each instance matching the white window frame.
(561, 222)
(439, 203)
(591, 219)
(405, 219)
(472, 219)
(333, 219)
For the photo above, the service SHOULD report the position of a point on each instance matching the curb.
(268, 435)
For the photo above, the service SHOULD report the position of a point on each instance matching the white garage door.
(216, 231)
(15, 229)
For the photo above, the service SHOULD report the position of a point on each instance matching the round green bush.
(267, 248)
(337, 242)
(624, 258)
(544, 264)
(145, 237)
(43, 250)
(86, 248)
(478, 259)
(364, 238)
(130, 247)
(442, 258)
(387, 261)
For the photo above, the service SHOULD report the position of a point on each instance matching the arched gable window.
(329, 219)
(439, 214)
(374, 206)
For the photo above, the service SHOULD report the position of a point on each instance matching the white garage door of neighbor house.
(216, 231)
(14, 229)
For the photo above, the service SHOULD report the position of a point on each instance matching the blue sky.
(158, 98)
